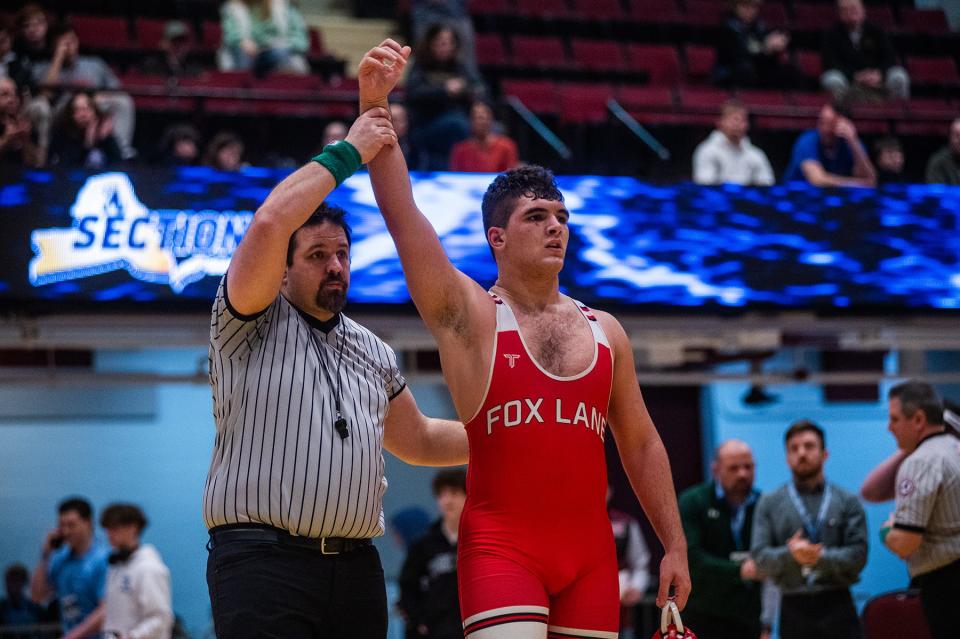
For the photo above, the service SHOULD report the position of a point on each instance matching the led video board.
(163, 238)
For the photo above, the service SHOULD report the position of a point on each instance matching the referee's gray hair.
(917, 395)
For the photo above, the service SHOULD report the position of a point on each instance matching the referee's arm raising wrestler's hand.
(257, 267)
(421, 440)
(645, 461)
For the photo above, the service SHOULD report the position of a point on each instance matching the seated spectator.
(749, 54)
(440, 91)
(401, 126)
(944, 165)
(31, 43)
(16, 609)
(84, 136)
(727, 154)
(12, 65)
(180, 146)
(452, 13)
(176, 59)
(888, 156)
(31, 48)
(69, 69)
(484, 151)
(225, 152)
(831, 154)
(858, 52)
(335, 131)
(17, 142)
(265, 36)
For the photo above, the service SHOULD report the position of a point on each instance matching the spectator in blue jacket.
(73, 568)
(831, 155)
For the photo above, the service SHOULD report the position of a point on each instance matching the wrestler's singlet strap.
(507, 321)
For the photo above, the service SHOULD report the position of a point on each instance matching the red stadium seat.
(785, 123)
(931, 21)
(211, 36)
(537, 51)
(289, 82)
(102, 32)
(489, 7)
(149, 32)
(882, 16)
(598, 9)
(894, 615)
(654, 11)
(936, 71)
(659, 62)
(931, 107)
(814, 17)
(775, 15)
(597, 55)
(631, 96)
(490, 49)
(546, 9)
(316, 43)
(810, 100)
(219, 80)
(762, 98)
(540, 96)
(810, 64)
(703, 99)
(700, 63)
(705, 12)
(584, 103)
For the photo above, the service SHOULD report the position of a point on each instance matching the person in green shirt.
(265, 36)
(717, 519)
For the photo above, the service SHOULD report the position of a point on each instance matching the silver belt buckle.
(323, 548)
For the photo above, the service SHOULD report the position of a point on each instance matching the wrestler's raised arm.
(444, 296)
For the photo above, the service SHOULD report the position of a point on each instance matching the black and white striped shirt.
(928, 502)
(277, 458)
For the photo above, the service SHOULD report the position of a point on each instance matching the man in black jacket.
(428, 580)
(751, 55)
(858, 53)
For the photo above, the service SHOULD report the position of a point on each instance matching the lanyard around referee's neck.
(811, 527)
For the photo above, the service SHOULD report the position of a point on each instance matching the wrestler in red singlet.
(535, 541)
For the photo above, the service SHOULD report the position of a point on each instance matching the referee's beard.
(332, 298)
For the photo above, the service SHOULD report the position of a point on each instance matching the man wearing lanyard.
(717, 517)
(810, 537)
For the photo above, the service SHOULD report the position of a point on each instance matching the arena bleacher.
(564, 60)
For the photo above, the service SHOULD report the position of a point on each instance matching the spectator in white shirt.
(727, 154)
(138, 601)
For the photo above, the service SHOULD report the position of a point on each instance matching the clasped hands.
(805, 553)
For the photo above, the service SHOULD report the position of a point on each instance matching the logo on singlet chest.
(538, 411)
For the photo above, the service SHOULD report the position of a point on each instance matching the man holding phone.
(73, 568)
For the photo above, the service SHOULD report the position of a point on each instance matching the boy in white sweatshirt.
(137, 601)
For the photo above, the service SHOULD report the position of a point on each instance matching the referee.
(305, 400)
(925, 526)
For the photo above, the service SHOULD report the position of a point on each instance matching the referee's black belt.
(253, 533)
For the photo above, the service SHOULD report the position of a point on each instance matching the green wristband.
(340, 158)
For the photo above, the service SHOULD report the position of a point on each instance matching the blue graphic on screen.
(167, 236)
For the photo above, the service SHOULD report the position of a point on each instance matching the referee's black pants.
(828, 614)
(267, 590)
(938, 595)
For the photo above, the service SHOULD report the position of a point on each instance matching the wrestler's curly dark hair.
(502, 195)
